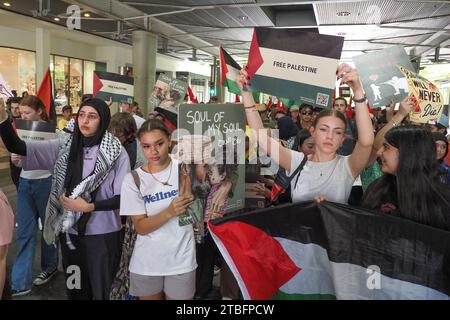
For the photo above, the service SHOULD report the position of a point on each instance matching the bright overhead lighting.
(243, 18)
(7, 4)
(56, 19)
(87, 15)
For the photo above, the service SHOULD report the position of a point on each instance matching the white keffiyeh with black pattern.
(57, 219)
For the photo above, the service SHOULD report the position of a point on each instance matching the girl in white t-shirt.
(163, 262)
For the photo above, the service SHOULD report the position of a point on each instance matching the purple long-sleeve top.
(43, 155)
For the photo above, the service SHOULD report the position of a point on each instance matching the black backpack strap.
(136, 179)
(298, 170)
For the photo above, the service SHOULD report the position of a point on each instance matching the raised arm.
(406, 105)
(273, 148)
(361, 153)
(12, 142)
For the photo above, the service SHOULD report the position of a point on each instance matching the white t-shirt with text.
(169, 250)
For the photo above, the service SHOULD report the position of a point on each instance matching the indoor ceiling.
(194, 29)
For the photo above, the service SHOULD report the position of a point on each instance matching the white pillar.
(145, 46)
(42, 54)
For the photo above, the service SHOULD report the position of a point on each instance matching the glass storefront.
(71, 77)
(76, 82)
(61, 83)
(18, 70)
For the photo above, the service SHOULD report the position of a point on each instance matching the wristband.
(250, 107)
(362, 100)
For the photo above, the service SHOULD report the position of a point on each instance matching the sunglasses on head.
(307, 113)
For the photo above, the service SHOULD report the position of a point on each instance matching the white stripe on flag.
(115, 87)
(324, 77)
(344, 280)
(232, 73)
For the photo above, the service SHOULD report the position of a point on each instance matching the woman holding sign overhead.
(325, 173)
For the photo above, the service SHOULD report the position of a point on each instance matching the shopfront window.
(17, 67)
(76, 83)
(71, 77)
(61, 83)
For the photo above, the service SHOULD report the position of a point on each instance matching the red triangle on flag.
(98, 84)
(247, 245)
(45, 91)
(255, 59)
(192, 96)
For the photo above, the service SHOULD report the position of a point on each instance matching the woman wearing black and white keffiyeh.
(88, 169)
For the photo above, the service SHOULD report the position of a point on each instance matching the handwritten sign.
(428, 104)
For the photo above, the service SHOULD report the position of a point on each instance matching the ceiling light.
(7, 4)
(87, 15)
(56, 18)
(243, 18)
(343, 14)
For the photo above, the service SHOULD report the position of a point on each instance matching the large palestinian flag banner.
(295, 64)
(333, 251)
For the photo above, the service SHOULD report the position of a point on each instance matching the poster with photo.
(380, 76)
(211, 151)
(167, 94)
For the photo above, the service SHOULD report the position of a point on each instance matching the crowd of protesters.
(123, 166)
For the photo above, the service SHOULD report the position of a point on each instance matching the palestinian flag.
(333, 251)
(45, 93)
(230, 71)
(295, 64)
(192, 96)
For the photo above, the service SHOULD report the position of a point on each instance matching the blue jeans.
(32, 200)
